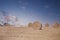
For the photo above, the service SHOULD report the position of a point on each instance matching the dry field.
(27, 33)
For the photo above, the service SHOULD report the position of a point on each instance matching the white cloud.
(46, 6)
(19, 1)
(23, 5)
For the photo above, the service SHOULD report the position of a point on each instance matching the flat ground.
(26, 33)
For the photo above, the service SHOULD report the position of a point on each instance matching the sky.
(44, 11)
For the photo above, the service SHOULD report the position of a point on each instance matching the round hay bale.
(37, 25)
(56, 25)
(30, 24)
(6, 24)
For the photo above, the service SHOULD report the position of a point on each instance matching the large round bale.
(37, 25)
(30, 24)
(56, 25)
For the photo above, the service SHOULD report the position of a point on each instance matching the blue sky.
(32, 10)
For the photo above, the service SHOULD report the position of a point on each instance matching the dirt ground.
(26, 33)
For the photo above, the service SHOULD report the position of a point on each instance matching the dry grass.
(27, 33)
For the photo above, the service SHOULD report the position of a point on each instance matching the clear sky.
(32, 10)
